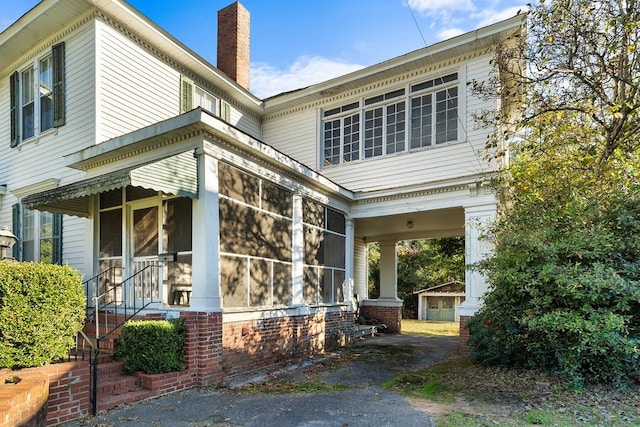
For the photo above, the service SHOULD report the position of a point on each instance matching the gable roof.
(48, 17)
(453, 287)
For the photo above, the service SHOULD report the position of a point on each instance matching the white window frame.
(36, 91)
(32, 224)
(334, 127)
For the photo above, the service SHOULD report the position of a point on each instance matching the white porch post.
(298, 252)
(206, 294)
(388, 270)
(349, 260)
(476, 218)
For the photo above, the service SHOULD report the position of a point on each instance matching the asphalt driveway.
(358, 401)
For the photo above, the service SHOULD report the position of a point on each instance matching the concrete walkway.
(362, 368)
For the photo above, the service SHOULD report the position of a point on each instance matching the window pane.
(447, 115)
(46, 94)
(145, 232)
(395, 127)
(260, 283)
(311, 281)
(421, 121)
(351, 139)
(277, 199)
(331, 142)
(373, 132)
(282, 284)
(238, 185)
(28, 111)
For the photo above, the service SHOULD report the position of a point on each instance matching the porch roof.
(174, 175)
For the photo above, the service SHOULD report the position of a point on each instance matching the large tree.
(565, 277)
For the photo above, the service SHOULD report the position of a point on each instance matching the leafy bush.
(565, 282)
(153, 346)
(42, 308)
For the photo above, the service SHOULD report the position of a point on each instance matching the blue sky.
(295, 43)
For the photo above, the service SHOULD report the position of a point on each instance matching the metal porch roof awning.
(177, 175)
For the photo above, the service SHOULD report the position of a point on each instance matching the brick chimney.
(233, 43)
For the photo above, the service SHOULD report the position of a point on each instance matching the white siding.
(40, 159)
(295, 135)
(134, 88)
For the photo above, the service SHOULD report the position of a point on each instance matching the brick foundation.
(463, 343)
(390, 316)
(23, 402)
(255, 344)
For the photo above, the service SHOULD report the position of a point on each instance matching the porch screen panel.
(111, 233)
(324, 253)
(260, 283)
(233, 272)
(256, 229)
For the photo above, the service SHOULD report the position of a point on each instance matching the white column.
(476, 249)
(388, 270)
(206, 293)
(297, 252)
(348, 262)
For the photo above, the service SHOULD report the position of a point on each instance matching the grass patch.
(291, 387)
(486, 396)
(430, 328)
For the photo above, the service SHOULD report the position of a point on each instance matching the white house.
(126, 155)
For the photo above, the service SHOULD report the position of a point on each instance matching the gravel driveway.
(359, 400)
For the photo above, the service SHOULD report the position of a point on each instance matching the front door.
(144, 267)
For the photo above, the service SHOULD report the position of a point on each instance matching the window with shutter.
(37, 96)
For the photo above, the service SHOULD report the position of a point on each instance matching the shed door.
(441, 309)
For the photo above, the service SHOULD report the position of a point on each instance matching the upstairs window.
(417, 116)
(193, 96)
(37, 100)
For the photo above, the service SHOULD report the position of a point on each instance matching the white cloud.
(267, 80)
(489, 16)
(449, 33)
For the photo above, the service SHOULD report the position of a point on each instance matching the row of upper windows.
(377, 126)
(37, 96)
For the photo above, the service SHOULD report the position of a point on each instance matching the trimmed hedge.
(152, 346)
(42, 308)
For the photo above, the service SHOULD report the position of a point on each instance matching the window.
(342, 134)
(377, 126)
(39, 236)
(37, 96)
(437, 99)
(192, 96)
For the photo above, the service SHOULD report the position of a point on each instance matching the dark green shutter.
(58, 85)
(56, 239)
(15, 93)
(17, 231)
(186, 95)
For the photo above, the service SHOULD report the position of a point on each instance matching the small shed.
(441, 302)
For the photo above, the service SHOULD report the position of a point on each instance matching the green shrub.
(42, 308)
(152, 346)
(565, 288)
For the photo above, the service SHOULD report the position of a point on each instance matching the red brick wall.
(203, 352)
(68, 390)
(255, 344)
(24, 402)
(463, 345)
(390, 316)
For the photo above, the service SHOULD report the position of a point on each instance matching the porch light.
(7, 240)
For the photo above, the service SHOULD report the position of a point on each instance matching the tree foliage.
(565, 276)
